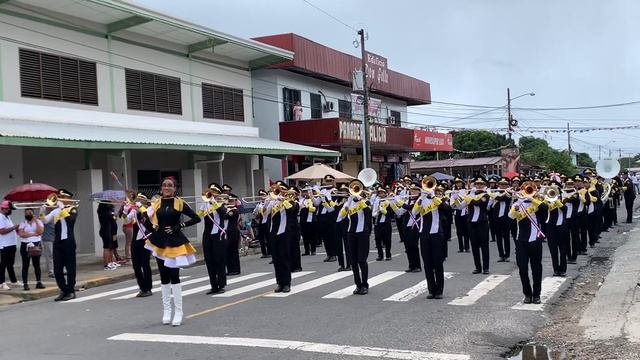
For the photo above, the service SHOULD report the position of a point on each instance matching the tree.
(479, 140)
(585, 160)
(537, 151)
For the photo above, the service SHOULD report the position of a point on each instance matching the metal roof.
(125, 20)
(46, 126)
(434, 164)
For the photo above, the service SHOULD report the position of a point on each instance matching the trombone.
(50, 202)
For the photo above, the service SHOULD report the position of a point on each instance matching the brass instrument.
(607, 168)
(254, 199)
(356, 187)
(551, 194)
(528, 189)
(275, 191)
(429, 183)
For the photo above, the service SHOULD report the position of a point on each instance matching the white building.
(90, 87)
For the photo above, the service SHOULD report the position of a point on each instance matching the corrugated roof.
(35, 125)
(433, 164)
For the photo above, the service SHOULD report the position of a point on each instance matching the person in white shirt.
(8, 241)
(30, 232)
(635, 179)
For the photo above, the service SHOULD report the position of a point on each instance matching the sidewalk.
(90, 273)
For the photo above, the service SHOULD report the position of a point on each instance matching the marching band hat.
(215, 187)
(588, 171)
(282, 185)
(626, 172)
(64, 193)
(141, 196)
(479, 180)
(516, 178)
(343, 186)
(558, 184)
(563, 176)
(262, 192)
(329, 177)
(569, 181)
(227, 187)
(407, 178)
(458, 179)
(295, 189)
(503, 181)
(492, 180)
(537, 178)
(381, 190)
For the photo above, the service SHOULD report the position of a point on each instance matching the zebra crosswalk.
(337, 286)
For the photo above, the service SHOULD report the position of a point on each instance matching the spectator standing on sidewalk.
(8, 241)
(48, 236)
(635, 178)
(30, 231)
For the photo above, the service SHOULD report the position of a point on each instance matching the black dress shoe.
(476, 271)
(270, 262)
(212, 291)
(305, 254)
(536, 300)
(139, 294)
(286, 289)
(485, 272)
(408, 270)
(501, 259)
(296, 270)
(571, 262)
(562, 274)
(430, 296)
(26, 287)
(327, 259)
(60, 297)
(416, 270)
(221, 290)
(146, 293)
(467, 250)
(460, 251)
(313, 253)
(348, 268)
(39, 285)
(69, 296)
(356, 291)
(379, 258)
(341, 268)
(264, 256)
(278, 289)
(388, 258)
(556, 273)
(332, 259)
(506, 259)
(234, 273)
(437, 296)
(526, 300)
(364, 291)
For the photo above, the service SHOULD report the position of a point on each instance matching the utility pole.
(365, 105)
(609, 153)
(509, 113)
(599, 152)
(619, 153)
(569, 139)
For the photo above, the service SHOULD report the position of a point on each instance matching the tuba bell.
(607, 168)
(429, 183)
(356, 187)
(528, 189)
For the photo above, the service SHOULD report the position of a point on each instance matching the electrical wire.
(331, 16)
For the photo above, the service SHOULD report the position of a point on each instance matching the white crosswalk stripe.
(157, 288)
(258, 285)
(415, 291)
(313, 283)
(549, 286)
(110, 293)
(231, 281)
(480, 290)
(376, 280)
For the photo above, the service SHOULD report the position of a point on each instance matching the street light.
(510, 122)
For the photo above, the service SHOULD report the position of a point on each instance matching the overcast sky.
(570, 53)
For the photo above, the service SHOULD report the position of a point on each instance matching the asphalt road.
(253, 324)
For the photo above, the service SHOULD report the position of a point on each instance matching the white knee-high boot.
(166, 303)
(177, 302)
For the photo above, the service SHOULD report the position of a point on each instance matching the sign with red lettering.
(424, 140)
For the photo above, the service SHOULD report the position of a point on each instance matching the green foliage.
(537, 151)
(478, 140)
(584, 160)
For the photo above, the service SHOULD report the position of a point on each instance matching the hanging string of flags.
(580, 130)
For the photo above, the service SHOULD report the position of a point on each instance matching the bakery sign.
(424, 140)
(352, 131)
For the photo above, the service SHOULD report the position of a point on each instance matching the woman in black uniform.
(170, 246)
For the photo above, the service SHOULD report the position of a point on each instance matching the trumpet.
(551, 194)
(528, 189)
(254, 199)
(429, 183)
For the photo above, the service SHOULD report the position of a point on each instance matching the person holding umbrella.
(8, 241)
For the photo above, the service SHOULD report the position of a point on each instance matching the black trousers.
(279, 246)
(514, 229)
(573, 245)
(493, 228)
(359, 252)
(530, 253)
(7, 259)
(263, 233)
(433, 258)
(141, 267)
(503, 236)
(462, 232)
(382, 235)
(294, 243)
(341, 243)
(594, 225)
(583, 226)
(608, 214)
(479, 234)
(233, 255)
(401, 228)
(411, 241)
(214, 248)
(309, 234)
(64, 257)
(168, 275)
(25, 263)
(628, 203)
(327, 232)
(557, 240)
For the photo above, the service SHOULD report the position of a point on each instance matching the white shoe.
(177, 302)
(114, 265)
(166, 303)
(4, 286)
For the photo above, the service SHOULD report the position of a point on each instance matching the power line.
(331, 16)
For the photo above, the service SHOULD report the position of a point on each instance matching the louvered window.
(153, 92)
(53, 77)
(223, 103)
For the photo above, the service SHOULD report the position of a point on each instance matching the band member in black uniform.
(410, 225)
(501, 206)
(583, 218)
(382, 216)
(214, 238)
(357, 210)
(594, 209)
(294, 230)
(515, 187)
(308, 223)
(402, 189)
(428, 208)
(170, 246)
(137, 214)
(477, 202)
(629, 195)
(571, 201)
(528, 213)
(493, 221)
(64, 244)
(233, 234)
(283, 213)
(556, 230)
(460, 211)
(342, 246)
(446, 218)
(262, 218)
(327, 218)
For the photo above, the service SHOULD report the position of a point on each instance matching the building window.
(149, 181)
(153, 92)
(344, 109)
(53, 77)
(394, 118)
(316, 106)
(290, 97)
(219, 102)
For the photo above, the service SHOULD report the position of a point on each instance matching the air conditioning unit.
(327, 106)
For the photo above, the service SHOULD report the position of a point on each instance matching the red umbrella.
(511, 174)
(30, 192)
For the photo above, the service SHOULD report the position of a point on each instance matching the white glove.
(139, 204)
(60, 205)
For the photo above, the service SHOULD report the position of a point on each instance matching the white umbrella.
(318, 171)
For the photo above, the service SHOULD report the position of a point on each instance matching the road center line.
(375, 352)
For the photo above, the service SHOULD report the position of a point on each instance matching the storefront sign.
(351, 130)
(377, 158)
(357, 107)
(376, 68)
(424, 140)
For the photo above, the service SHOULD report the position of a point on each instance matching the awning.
(48, 126)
